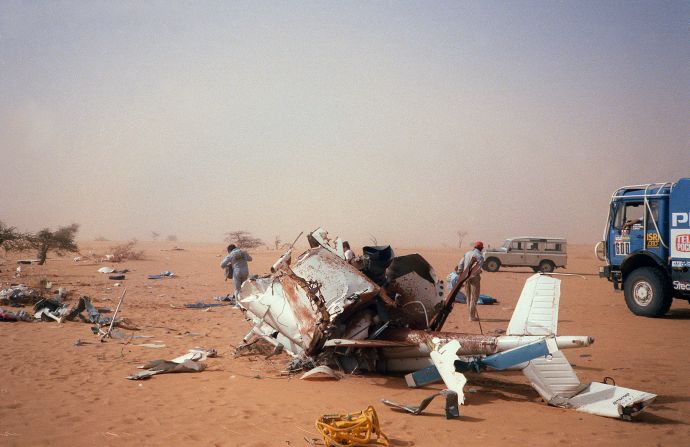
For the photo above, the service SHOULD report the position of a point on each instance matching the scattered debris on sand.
(21, 315)
(190, 362)
(19, 295)
(162, 275)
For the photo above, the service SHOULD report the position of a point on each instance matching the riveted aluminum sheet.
(343, 287)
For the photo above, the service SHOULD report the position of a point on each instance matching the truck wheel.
(647, 293)
(492, 265)
(546, 266)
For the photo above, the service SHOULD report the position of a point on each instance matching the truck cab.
(643, 245)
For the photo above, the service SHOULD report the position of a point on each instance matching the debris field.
(246, 392)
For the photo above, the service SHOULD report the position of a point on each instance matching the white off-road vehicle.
(542, 254)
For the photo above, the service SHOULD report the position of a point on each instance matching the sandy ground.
(53, 392)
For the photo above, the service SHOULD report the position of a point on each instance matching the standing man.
(236, 262)
(472, 261)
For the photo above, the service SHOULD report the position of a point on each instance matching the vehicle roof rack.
(657, 188)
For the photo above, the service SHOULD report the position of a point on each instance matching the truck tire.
(647, 293)
(547, 266)
(491, 265)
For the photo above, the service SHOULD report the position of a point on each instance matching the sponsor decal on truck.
(653, 240)
(681, 285)
(683, 243)
(680, 244)
(680, 264)
(622, 245)
(679, 218)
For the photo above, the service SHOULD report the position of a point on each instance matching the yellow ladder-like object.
(351, 429)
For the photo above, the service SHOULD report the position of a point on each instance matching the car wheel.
(546, 266)
(492, 265)
(647, 293)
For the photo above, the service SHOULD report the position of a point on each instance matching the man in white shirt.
(472, 261)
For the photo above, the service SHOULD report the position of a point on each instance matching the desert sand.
(54, 392)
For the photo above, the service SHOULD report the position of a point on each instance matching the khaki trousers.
(472, 289)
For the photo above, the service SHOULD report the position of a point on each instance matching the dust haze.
(404, 122)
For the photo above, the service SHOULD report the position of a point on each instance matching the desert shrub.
(11, 239)
(126, 252)
(61, 241)
(243, 239)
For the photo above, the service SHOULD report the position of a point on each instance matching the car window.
(534, 246)
(553, 246)
(517, 246)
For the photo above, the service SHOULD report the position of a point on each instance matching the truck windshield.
(506, 243)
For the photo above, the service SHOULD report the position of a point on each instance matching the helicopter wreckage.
(382, 313)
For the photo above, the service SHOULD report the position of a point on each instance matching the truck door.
(626, 232)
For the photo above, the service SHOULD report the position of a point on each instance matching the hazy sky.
(402, 120)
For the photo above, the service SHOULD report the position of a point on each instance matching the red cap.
(479, 245)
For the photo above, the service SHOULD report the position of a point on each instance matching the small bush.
(243, 239)
(11, 239)
(60, 241)
(126, 252)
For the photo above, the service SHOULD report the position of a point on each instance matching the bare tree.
(461, 237)
(60, 241)
(277, 242)
(243, 239)
(373, 240)
(171, 238)
(155, 235)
